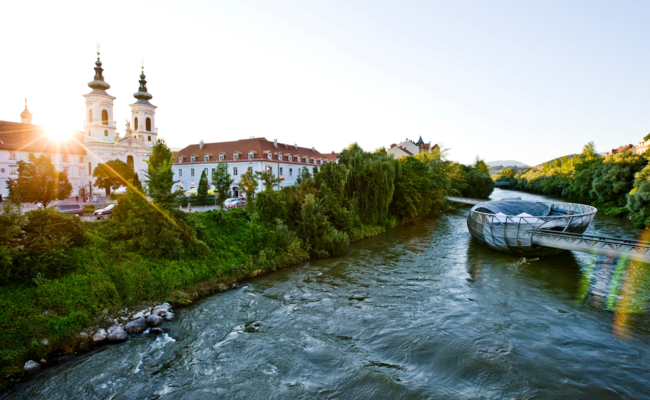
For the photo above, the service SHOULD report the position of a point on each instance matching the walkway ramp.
(605, 246)
(465, 200)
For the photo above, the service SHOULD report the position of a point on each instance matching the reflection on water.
(422, 311)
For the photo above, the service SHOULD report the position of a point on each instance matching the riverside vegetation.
(59, 275)
(618, 184)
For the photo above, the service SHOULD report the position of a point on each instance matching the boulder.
(159, 331)
(32, 367)
(45, 342)
(112, 328)
(154, 320)
(137, 326)
(169, 316)
(100, 335)
(161, 310)
(138, 315)
(118, 335)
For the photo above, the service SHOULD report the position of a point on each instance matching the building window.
(298, 158)
(269, 170)
(280, 171)
(251, 155)
(180, 172)
(289, 157)
(290, 171)
(65, 171)
(269, 156)
(149, 138)
(180, 159)
(221, 157)
(90, 117)
(235, 156)
(104, 117)
(12, 155)
(148, 124)
(13, 170)
(82, 171)
(213, 171)
(129, 161)
(65, 158)
(135, 123)
(81, 159)
(192, 172)
(279, 156)
(105, 133)
(234, 171)
(193, 158)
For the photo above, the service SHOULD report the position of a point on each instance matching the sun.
(58, 132)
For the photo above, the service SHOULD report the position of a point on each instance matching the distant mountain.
(506, 163)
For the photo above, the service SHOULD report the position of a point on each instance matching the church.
(78, 154)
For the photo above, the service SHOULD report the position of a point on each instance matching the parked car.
(236, 204)
(104, 212)
(230, 200)
(75, 209)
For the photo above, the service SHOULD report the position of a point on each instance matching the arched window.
(148, 138)
(105, 133)
(129, 161)
(104, 117)
(135, 123)
(88, 133)
(148, 124)
(90, 116)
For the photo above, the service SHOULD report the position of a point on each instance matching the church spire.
(142, 95)
(98, 83)
(26, 116)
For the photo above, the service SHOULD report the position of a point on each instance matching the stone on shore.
(100, 335)
(154, 320)
(138, 315)
(159, 331)
(161, 309)
(45, 342)
(32, 367)
(136, 326)
(118, 335)
(169, 316)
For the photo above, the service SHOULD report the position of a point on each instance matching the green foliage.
(481, 166)
(269, 180)
(112, 174)
(39, 182)
(202, 191)
(222, 183)
(160, 178)
(315, 229)
(248, 183)
(507, 174)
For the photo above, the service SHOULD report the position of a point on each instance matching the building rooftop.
(16, 136)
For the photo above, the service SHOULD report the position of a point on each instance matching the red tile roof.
(33, 138)
(259, 146)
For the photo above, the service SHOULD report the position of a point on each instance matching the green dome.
(98, 83)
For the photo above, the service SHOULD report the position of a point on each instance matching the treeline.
(59, 275)
(618, 184)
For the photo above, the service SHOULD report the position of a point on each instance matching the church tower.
(99, 125)
(26, 116)
(143, 115)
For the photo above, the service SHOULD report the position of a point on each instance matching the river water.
(422, 311)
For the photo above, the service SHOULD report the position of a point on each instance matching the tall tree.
(160, 178)
(202, 191)
(222, 182)
(39, 182)
(269, 180)
(248, 183)
(481, 166)
(112, 174)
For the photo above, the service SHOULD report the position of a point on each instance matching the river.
(422, 311)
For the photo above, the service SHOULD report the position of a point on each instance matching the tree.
(202, 191)
(481, 166)
(136, 182)
(112, 174)
(507, 174)
(248, 183)
(269, 180)
(39, 182)
(222, 182)
(160, 178)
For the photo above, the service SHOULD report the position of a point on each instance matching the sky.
(504, 80)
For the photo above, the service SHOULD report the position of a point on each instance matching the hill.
(506, 163)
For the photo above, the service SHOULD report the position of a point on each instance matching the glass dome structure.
(509, 225)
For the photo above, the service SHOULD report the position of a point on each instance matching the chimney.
(313, 149)
(296, 146)
(201, 144)
(275, 143)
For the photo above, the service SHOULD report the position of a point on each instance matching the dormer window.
(235, 156)
(180, 159)
(193, 158)
(251, 155)
(289, 157)
(206, 157)
(279, 156)
(269, 156)
(221, 156)
(298, 158)
(307, 160)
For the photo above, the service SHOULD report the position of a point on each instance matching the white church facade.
(78, 155)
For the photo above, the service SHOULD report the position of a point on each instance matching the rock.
(137, 326)
(83, 335)
(118, 335)
(138, 315)
(63, 359)
(159, 331)
(45, 342)
(160, 310)
(169, 316)
(32, 367)
(100, 335)
(154, 320)
(43, 361)
(124, 318)
(112, 328)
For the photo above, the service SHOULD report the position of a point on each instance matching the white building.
(78, 154)
(409, 148)
(257, 154)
